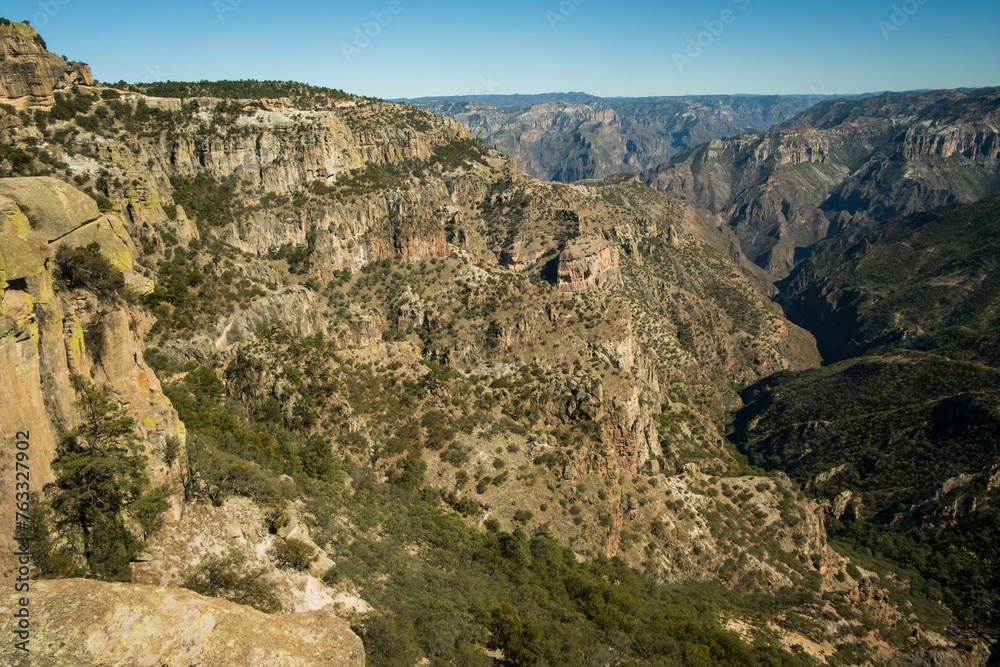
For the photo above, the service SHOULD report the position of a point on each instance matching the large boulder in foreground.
(83, 622)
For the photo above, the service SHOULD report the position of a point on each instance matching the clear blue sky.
(419, 48)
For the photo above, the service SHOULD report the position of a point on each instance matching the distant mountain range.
(782, 171)
(573, 136)
(839, 164)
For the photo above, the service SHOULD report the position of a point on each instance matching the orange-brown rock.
(42, 340)
(588, 263)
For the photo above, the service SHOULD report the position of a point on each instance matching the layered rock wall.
(29, 74)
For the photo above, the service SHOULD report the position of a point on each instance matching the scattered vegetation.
(912, 437)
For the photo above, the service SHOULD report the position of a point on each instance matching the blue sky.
(413, 48)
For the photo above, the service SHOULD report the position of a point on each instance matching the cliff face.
(279, 148)
(29, 74)
(568, 139)
(840, 164)
(588, 264)
(357, 184)
(42, 335)
(277, 151)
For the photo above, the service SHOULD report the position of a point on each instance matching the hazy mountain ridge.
(575, 136)
(839, 164)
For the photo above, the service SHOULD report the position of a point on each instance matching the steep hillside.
(839, 164)
(573, 137)
(902, 450)
(899, 446)
(923, 281)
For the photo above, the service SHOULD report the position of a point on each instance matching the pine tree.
(99, 476)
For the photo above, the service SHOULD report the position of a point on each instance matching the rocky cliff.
(44, 334)
(396, 356)
(29, 74)
(840, 164)
(362, 183)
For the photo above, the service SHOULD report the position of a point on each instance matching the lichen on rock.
(83, 622)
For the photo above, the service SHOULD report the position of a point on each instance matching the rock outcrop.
(82, 622)
(589, 263)
(29, 74)
(237, 525)
(43, 343)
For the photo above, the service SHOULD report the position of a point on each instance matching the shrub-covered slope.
(903, 451)
(924, 281)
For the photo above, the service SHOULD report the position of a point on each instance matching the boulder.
(83, 622)
(54, 208)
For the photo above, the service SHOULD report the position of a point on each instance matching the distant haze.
(573, 136)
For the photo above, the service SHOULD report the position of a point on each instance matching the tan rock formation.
(237, 525)
(42, 340)
(588, 263)
(53, 208)
(81, 622)
(29, 74)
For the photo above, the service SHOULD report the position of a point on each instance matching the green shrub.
(86, 268)
(52, 559)
(293, 554)
(210, 202)
(100, 480)
(389, 641)
(230, 577)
